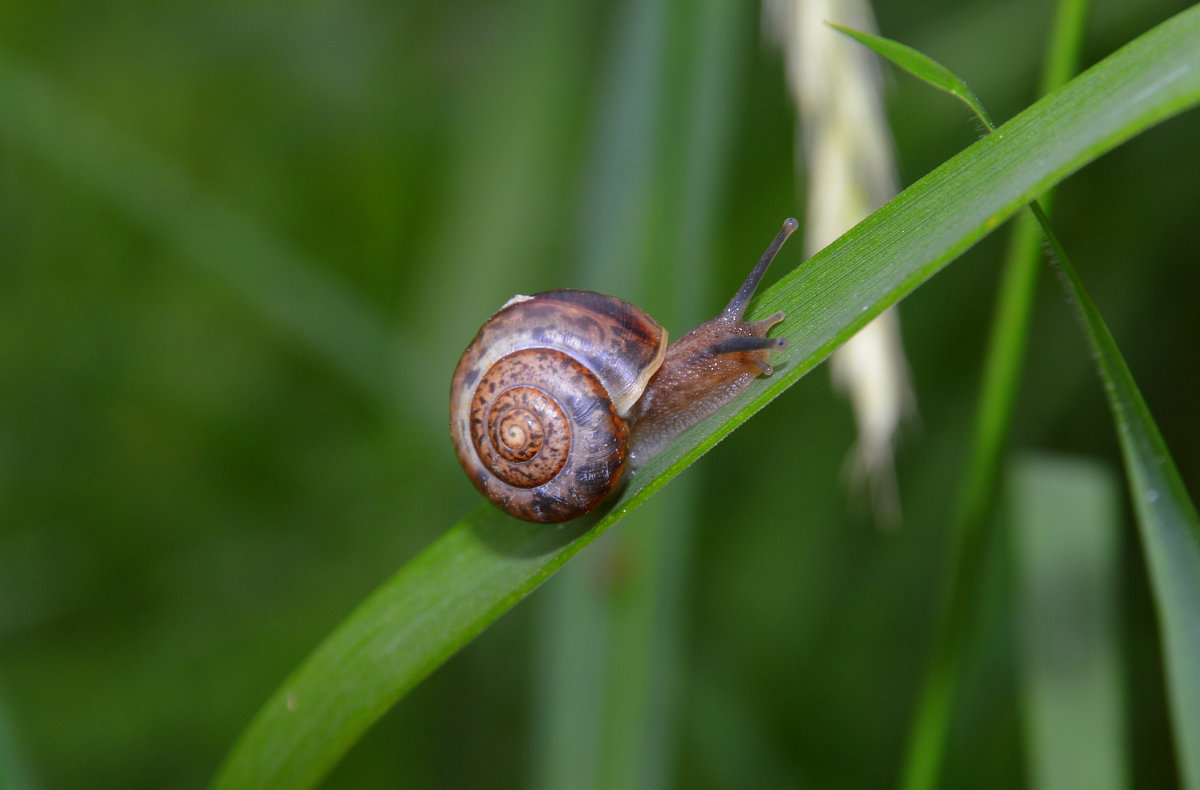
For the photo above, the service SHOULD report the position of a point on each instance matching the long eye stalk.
(737, 305)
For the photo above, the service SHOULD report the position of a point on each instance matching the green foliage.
(487, 563)
(1167, 516)
(1169, 525)
(1064, 518)
(921, 66)
(242, 249)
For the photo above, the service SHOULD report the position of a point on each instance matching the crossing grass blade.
(1166, 516)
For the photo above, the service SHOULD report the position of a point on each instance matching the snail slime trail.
(563, 391)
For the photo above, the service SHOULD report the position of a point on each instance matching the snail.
(561, 391)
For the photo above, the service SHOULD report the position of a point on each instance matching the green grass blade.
(649, 562)
(1065, 518)
(1003, 361)
(905, 242)
(572, 642)
(920, 66)
(1167, 519)
(1066, 47)
(485, 564)
(479, 569)
(594, 646)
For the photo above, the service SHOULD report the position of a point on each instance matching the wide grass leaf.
(482, 566)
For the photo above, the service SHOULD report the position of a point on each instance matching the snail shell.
(559, 392)
(541, 398)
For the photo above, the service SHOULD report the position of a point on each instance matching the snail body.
(560, 392)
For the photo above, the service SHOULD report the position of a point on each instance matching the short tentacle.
(735, 344)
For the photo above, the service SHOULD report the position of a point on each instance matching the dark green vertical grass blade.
(650, 562)
(1003, 360)
(609, 627)
(509, 162)
(482, 566)
(1167, 520)
(572, 643)
(582, 707)
(1065, 518)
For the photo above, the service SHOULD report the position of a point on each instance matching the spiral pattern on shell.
(540, 400)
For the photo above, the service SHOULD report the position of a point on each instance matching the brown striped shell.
(541, 399)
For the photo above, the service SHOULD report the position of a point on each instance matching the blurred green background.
(241, 249)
